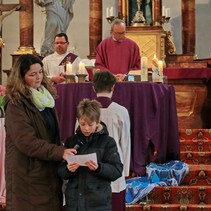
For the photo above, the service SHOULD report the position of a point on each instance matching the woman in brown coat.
(32, 139)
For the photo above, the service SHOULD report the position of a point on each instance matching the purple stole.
(70, 57)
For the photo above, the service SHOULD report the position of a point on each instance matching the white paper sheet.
(82, 159)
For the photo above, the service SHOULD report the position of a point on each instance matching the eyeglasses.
(59, 43)
(119, 33)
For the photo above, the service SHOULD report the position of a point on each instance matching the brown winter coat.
(30, 161)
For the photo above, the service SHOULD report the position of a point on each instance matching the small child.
(89, 187)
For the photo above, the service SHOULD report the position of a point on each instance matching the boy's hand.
(92, 165)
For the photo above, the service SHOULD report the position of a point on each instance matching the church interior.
(174, 31)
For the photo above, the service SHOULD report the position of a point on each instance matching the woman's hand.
(69, 152)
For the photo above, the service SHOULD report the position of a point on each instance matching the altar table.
(152, 110)
(2, 154)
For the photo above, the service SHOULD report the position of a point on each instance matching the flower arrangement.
(2, 93)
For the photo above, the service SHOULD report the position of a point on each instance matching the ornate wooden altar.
(151, 41)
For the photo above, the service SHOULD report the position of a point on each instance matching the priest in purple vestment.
(117, 53)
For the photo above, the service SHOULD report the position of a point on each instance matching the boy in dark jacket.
(89, 186)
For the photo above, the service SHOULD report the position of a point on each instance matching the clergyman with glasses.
(54, 64)
(117, 53)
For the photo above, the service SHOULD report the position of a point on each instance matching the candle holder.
(69, 78)
(81, 78)
(164, 19)
(110, 19)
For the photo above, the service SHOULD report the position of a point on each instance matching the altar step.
(194, 193)
(170, 207)
(196, 157)
(179, 195)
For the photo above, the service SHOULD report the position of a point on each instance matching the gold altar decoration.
(170, 46)
(151, 41)
(138, 19)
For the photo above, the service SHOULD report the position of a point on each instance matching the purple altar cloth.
(153, 115)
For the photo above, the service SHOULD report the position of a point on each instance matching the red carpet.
(195, 191)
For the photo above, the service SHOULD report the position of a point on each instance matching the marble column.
(157, 10)
(26, 29)
(188, 26)
(95, 26)
(120, 9)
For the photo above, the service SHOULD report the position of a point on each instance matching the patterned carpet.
(195, 191)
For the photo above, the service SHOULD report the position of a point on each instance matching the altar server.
(117, 119)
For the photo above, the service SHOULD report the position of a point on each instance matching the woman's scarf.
(42, 98)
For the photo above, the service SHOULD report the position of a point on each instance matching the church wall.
(78, 30)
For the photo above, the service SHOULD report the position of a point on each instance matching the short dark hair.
(62, 35)
(103, 81)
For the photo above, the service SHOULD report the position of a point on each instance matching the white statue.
(59, 13)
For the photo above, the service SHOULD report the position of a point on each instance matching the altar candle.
(154, 62)
(112, 11)
(160, 70)
(144, 61)
(155, 71)
(163, 11)
(69, 69)
(144, 68)
(107, 12)
(168, 12)
(160, 66)
(81, 69)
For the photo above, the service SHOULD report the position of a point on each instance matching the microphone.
(78, 145)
